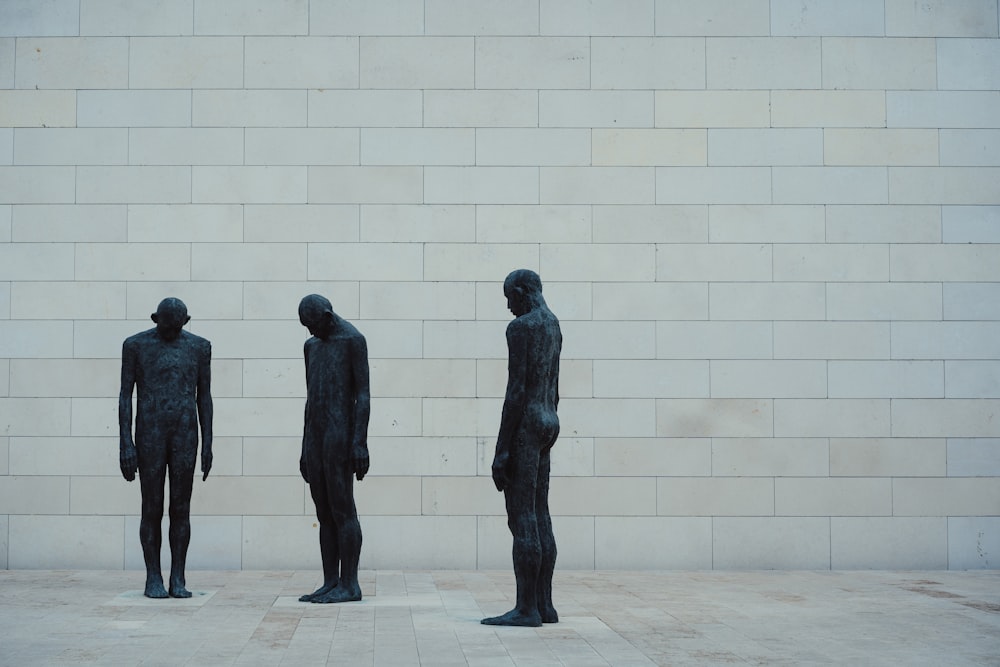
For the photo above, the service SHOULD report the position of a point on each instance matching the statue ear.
(187, 319)
(328, 317)
(154, 318)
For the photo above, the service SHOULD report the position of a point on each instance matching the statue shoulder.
(351, 333)
(139, 339)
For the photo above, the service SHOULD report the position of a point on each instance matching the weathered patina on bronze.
(171, 370)
(529, 427)
(335, 442)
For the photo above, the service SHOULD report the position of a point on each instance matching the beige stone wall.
(771, 229)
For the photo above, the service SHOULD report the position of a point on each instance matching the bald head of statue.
(170, 317)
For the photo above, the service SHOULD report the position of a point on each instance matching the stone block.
(973, 457)
(598, 262)
(92, 63)
(941, 418)
(715, 262)
(125, 18)
(769, 543)
(662, 457)
(941, 497)
(603, 17)
(419, 62)
(876, 147)
(768, 378)
(888, 543)
(941, 109)
(825, 17)
(766, 301)
(741, 63)
(829, 108)
(595, 108)
(765, 147)
(941, 18)
(134, 108)
(968, 64)
(253, 17)
(862, 63)
(770, 457)
(884, 301)
(39, 542)
(531, 62)
(715, 418)
(532, 146)
(25, 18)
(834, 417)
(715, 496)
(650, 301)
(831, 185)
(651, 379)
(419, 223)
(481, 17)
(365, 261)
(831, 340)
(366, 108)
(886, 379)
(70, 146)
(133, 185)
(887, 457)
(883, 224)
(35, 417)
(962, 148)
(418, 146)
(625, 62)
(367, 185)
(833, 496)
(715, 185)
(714, 340)
(653, 543)
(35, 494)
(36, 339)
(301, 62)
(37, 108)
(37, 185)
(186, 62)
(712, 108)
(973, 542)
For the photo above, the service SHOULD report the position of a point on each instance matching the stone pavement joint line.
(432, 618)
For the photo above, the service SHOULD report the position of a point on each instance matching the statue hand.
(206, 463)
(500, 475)
(361, 462)
(129, 462)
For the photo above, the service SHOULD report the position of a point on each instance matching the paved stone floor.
(432, 618)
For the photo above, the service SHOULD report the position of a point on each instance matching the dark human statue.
(529, 427)
(171, 368)
(335, 442)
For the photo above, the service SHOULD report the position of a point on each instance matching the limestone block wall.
(771, 230)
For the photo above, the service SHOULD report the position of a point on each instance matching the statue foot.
(339, 594)
(155, 589)
(549, 614)
(319, 592)
(179, 592)
(515, 617)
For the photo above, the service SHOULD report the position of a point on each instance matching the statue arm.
(513, 403)
(128, 459)
(205, 408)
(362, 407)
(305, 419)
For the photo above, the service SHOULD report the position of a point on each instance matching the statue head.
(523, 289)
(316, 314)
(170, 317)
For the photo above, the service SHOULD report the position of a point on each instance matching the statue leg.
(329, 548)
(340, 484)
(547, 540)
(181, 467)
(152, 476)
(523, 523)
